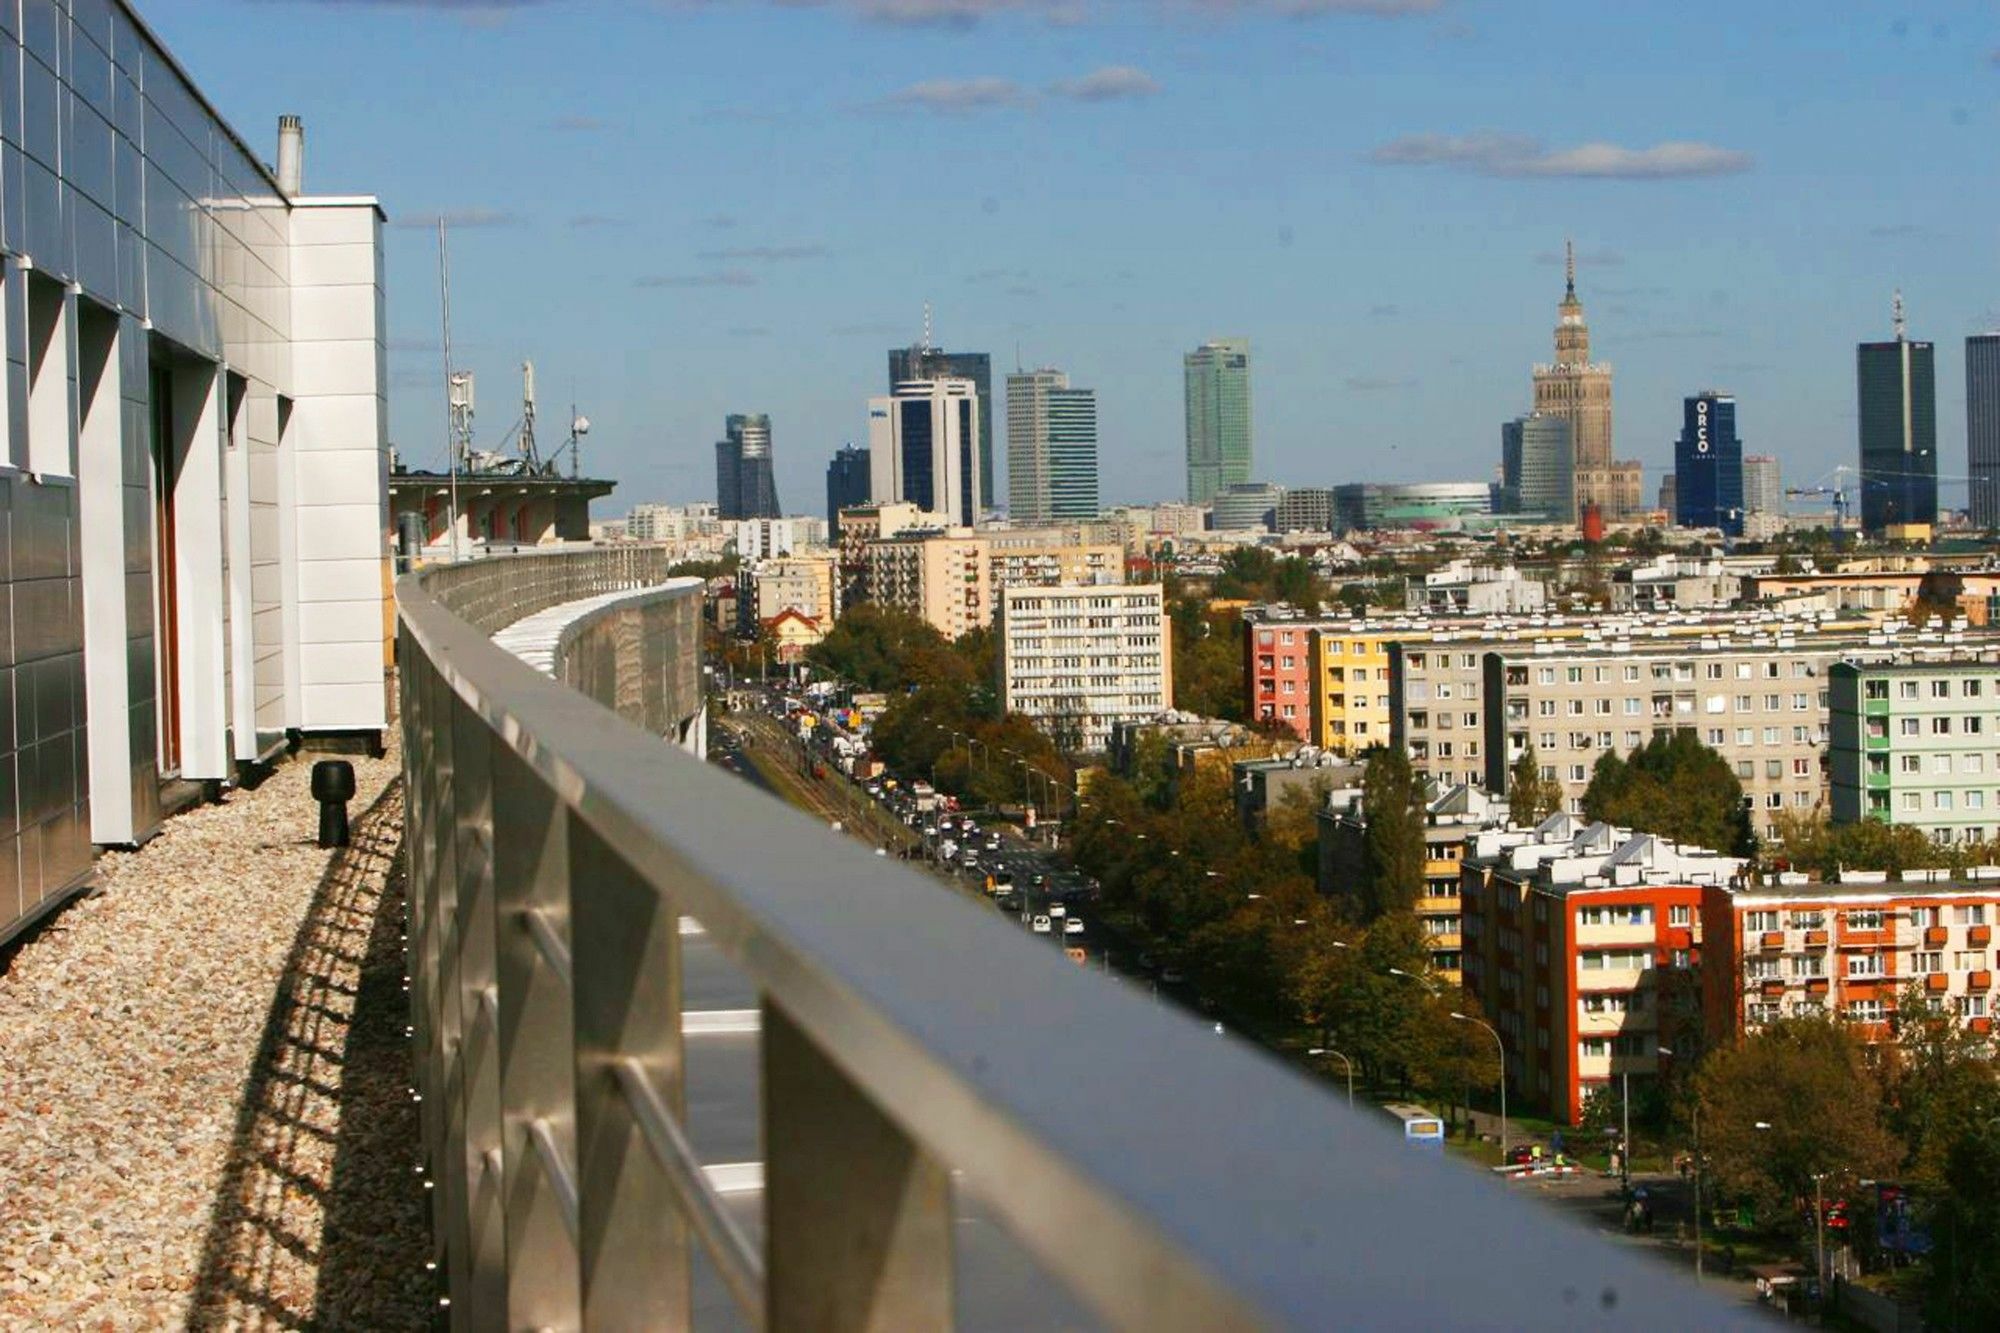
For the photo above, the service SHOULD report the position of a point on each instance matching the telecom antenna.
(1898, 307)
(927, 326)
(528, 416)
(451, 385)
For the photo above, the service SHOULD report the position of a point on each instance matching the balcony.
(1815, 939)
(1978, 983)
(1936, 937)
(586, 900)
(1979, 936)
(1771, 941)
(1937, 983)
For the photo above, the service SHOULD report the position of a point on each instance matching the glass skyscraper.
(923, 448)
(1218, 417)
(1982, 426)
(1897, 388)
(1538, 468)
(1051, 448)
(744, 484)
(1708, 465)
(847, 484)
(931, 363)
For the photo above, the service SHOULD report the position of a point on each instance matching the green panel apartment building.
(1917, 743)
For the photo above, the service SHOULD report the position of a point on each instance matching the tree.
(1531, 798)
(1809, 1083)
(1964, 1287)
(1208, 660)
(1942, 1086)
(1392, 809)
(1676, 787)
(880, 648)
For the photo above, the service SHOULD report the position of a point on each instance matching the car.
(1072, 926)
(1057, 909)
(1039, 879)
(1171, 975)
(1040, 925)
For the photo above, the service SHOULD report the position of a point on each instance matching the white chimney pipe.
(291, 156)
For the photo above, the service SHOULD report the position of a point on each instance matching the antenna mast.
(1897, 306)
(451, 386)
(528, 416)
(927, 326)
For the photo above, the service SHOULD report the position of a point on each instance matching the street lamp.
(1328, 1050)
(1697, 1177)
(1495, 1034)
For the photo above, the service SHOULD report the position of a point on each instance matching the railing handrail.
(1169, 1178)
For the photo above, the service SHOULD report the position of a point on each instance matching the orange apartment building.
(1784, 947)
(1581, 944)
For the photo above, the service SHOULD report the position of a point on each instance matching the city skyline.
(1394, 274)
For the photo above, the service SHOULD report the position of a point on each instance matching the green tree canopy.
(1676, 787)
(1392, 806)
(880, 648)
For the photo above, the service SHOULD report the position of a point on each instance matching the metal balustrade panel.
(1167, 1178)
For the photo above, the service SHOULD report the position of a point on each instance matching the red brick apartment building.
(1785, 947)
(1277, 678)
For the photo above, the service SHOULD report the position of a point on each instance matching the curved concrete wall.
(640, 657)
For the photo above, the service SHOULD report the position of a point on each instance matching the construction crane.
(1841, 488)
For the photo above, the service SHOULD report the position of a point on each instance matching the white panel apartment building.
(1076, 660)
(192, 470)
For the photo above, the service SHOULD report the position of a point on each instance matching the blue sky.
(688, 209)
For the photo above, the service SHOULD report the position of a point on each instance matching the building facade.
(1216, 385)
(1763, 487)
(809, 585)
(1538, 468)
(745, 486)
(939, 577)
(1982, 427)
(193, 459)
(1785, 948)
(1463, 588)
(1051, 448)
(1917, 743)
(1367, 506)
(1247, 506)
(847, 485)
(1761, 706)
(1578, 390)
(922, 362)
(1581, 947)
(1277, 665)
(1077, 661)
(1896, 383)
(1304, 509)
(923, 448)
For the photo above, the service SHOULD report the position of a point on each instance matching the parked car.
(1072, 926)
(1040, 925)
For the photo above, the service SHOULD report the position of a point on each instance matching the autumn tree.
(1531, 798)
(1794, 1100)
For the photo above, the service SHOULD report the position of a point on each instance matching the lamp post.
(1696, 1118)
(1502, 1047)
(1328, 1050)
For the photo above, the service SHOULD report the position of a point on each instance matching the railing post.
(632, 1240)
(443, 1113)
(537, 1063)
(858, 1218)
(479, 1291)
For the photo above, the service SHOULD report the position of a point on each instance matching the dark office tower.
(931, 363)
(1538, 468)
(1708, 465)
(744, 486)
(1897, 383)
(846, 485)
(1982, 426)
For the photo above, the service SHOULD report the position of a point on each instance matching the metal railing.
(912, 1044)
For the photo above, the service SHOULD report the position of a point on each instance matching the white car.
(1040, 925)
(1058, 910)
(1072, 926)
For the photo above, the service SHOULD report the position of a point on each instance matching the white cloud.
(957, 96)
(726, 278)
(1517, 155)
(1111, 83)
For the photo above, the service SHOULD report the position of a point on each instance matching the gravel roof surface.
(205, 1115)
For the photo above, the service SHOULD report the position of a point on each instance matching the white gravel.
(204, 1109)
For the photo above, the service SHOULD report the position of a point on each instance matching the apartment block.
(1463, 588)
(1453, 816)
(809, 585)
(1277, 670)
(940, 577)
(1917, 742)
(1051, 556)
(1581, 944)
(1761, 705)
(1349, 668)
(1785, 948)
(1078, 660)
